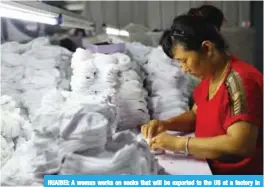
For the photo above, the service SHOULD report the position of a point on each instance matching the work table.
(179, 164)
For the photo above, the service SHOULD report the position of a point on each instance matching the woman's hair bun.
(210, 14)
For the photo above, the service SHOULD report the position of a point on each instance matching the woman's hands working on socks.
(157, 137)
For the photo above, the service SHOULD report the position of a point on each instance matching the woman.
(227, 116)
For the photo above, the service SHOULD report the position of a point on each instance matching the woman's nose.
(186, 70)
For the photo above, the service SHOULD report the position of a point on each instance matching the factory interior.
(81, 81)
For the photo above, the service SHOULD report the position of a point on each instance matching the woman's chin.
(197, 75)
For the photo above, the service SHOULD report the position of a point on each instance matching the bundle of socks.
(167, 85)
(111, 75)
(12, 71)
(132, 104)
(138, 52)
(36, 67)
(125, 154)
(93, 74)
(71, 134)
(139, 55)
(15, 130)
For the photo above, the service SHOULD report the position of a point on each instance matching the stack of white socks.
(112, 75)
(132, 104)
(15, 130)
(71, 134)
(94, 80)
(167, 85)
(126, 154)
(12, 72)
(37, 67)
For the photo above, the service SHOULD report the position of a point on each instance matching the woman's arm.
(184, 122)
(240, 140)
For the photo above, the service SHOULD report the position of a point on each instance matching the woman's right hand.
(153, 128)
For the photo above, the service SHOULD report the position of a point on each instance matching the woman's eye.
(183, 61)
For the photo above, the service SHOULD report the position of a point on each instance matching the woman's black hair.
(190, 31)
(79, 31)
(68, 44)
(210, 14)
(166, 43)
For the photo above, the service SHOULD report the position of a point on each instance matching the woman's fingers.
(152, 129)
(155, 146)
(144, 130)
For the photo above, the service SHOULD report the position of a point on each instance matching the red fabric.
(214, 116)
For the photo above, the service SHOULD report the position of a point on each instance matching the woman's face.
(191, 61)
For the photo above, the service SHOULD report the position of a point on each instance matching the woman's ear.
(207, 48)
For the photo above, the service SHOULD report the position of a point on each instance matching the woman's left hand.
(165, 141)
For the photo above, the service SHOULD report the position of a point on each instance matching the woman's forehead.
(179, 52)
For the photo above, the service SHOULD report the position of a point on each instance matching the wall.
(158, 14)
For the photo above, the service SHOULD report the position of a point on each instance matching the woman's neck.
(219, 68)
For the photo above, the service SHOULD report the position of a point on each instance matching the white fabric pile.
(138, 52)
(132, 103)
(168, 87)
(95, 80)
(70, 134)
(12, 72)
(126, 154)
(167, 84)
(18, 48)
(113, 76)
(15, 130)
(93, 73)
(30, 70)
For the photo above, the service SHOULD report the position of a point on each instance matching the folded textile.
(46, 162)
(7, 149)
(101, 60)
(81, 83)
(12, 59)
(40, 41)
(129, 76)
(137, 94)
(15, 130)
(44, 52)
(13, 125)
(18, 170)
(15, 74)
(133, 84)
(87, 67)
(123, 162)
(13, 47)
(98, 88)
(125, 157)
(9, 105)
(159, 84)
(40, 79)
(53, 99)
(124, 62)
(138, 51)
(10, 125)
(108, 73)
(41, 64)
(166, 99)
(169, 114)
(31, 99)
(79, 56)
(169, 106)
